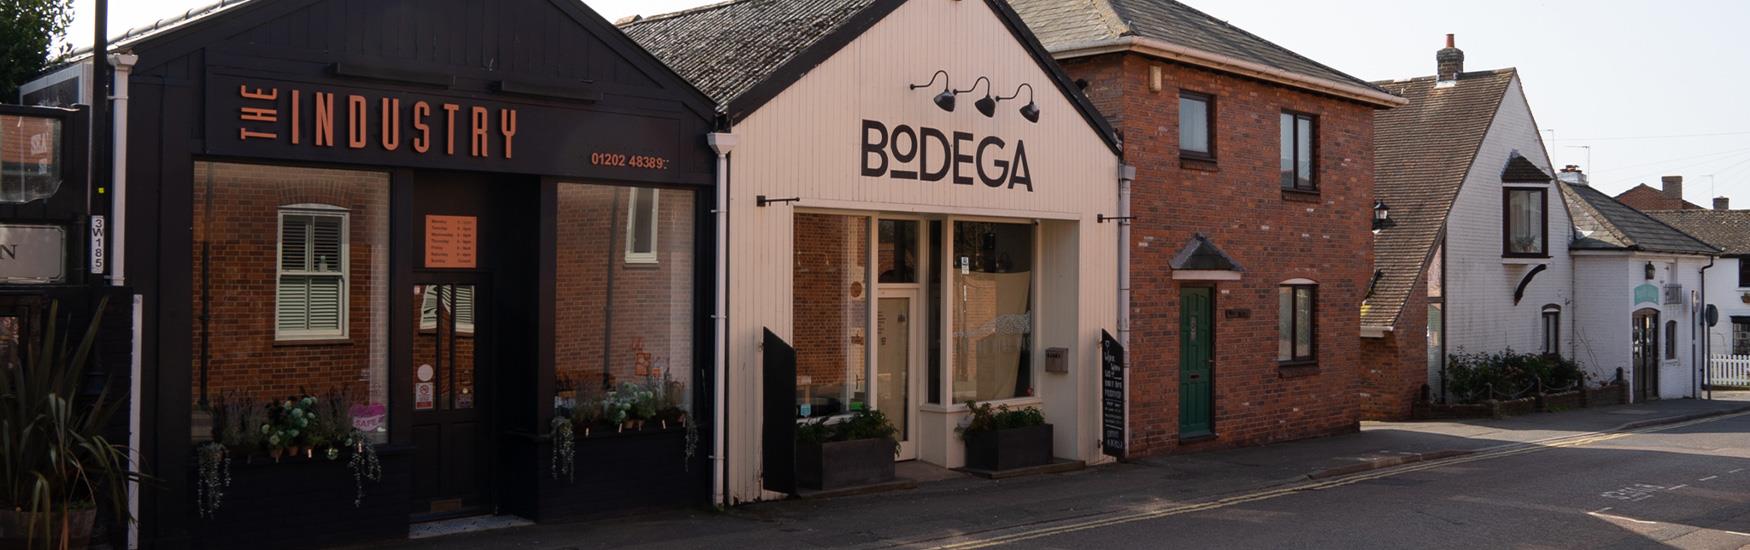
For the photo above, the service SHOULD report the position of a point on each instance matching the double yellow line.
(1485, 454)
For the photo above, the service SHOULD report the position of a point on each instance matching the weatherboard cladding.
(1606, 224)
(1728, 230)
(1064, 22)
(1423, 152)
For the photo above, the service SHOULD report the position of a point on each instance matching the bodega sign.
(931, 155)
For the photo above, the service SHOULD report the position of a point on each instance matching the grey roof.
(1423, 152)
(1201, 254)
(726, 49)
(1521, 170)
(1605, 224)
(1060, 22)
(131, 36)
(1728, 230)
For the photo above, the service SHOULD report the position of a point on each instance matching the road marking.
(1709, 478)
(1485, 454)
(1627, 519)
(1735, 471)
(1676, 487)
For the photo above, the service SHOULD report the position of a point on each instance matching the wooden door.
(1196, 358)
(450, 435)
(1646, 355)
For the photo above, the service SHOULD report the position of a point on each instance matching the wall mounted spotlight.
(945, 100)
(988, 105)
(1030, 111)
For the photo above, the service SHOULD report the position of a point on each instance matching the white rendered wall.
(1724, 293)
(1607, 305)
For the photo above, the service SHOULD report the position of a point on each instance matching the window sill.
(1201, 164)
(1297, 369)
(1524, 260)
(312, 342)
(1297, 195)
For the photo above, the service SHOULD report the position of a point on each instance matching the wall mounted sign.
(33, 254)
(932, 155)
(1112, 440)
(450, 242)
(262, 117)
(424, 396)
(99, 230)
(1647, 294)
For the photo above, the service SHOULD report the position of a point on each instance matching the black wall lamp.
(761, 201)
(988, 105)
(1652, 271)
(945, 100)
(1030, 111)
(1381, 215)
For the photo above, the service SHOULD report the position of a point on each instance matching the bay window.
(1526, 223)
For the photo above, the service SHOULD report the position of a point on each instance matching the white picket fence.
(1730, 370)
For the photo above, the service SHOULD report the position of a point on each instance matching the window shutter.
(326, 240)
(294, 299)
(294, 243)
(464, 306)
(312, 279)
(325, 306)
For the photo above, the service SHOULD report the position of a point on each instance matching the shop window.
(1741, 336)
(1298, 147)
(1552, 330)
(897, 252)
(992, 304)
(1670, 340)
(312, 273)
(30, 158)
(641, 224)
(830, 313)
(1296, 340)
(1196, 126)
(1527, 223)
(316, 243)
(459, 303)
(625, 311)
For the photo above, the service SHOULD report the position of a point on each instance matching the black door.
(778, 433)
(451, 364)
(1646, 359)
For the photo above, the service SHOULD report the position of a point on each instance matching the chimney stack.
(1572, 175)
(1722, 203)
(1450, 60)
(1673, 187)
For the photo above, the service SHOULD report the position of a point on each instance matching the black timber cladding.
(482, 44)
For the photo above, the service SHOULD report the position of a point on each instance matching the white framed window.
(313, 273)
(456, 299)
(641, 222)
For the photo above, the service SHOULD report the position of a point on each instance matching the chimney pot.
(1449, 61)
(1673, 187)
(1722, 203)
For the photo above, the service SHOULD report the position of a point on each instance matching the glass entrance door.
(449, 419)
(896, 358)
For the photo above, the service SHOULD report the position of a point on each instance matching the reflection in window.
(291, 267)
(898, 254)
(1298, 139)
(992, 298)
(1295, 329)
(30, 158)
(1526, 222)
(624, 310)
(831, 314)
(1194, 126)
(1741, 336)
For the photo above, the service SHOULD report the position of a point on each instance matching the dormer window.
(1526, 223)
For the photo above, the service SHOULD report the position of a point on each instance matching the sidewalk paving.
(952, 504)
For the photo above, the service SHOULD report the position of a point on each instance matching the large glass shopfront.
(899, 313)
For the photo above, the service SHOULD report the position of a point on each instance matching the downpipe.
(117, 257)
(1126, 176)
(721, 143)
(1705, 374)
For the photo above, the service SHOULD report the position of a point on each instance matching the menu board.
(1112, 438)
(450, 242)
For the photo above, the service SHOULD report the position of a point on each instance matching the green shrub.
(1477, 377)
(860, 425)
(986, 418)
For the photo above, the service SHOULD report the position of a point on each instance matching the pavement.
(1314, 487)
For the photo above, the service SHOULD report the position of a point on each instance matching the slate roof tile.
(1728, 230)
(1607, 224)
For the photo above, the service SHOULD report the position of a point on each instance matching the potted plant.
(56, 466)
(855, 451)
(998, 438)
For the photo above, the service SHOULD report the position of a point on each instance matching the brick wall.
(831, 301)
(1394, 368)
(241, 228)
(639, 322)
(1237, 201)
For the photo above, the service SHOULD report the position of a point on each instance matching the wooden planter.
(842, 464)
(305, 503)
(619, 474)
(998, 450)
(15, 526)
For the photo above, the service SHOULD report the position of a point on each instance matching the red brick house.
(1252, 202)
(1669, 197)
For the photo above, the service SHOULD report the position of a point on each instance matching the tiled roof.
(1605, 224)
(1202, 255)
(726, 49)
(1728, 230)
(1521, 170)
(1060, 22)
(1422, 154)
(1645, 198)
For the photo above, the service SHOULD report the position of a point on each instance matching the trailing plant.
(1478, 377)
(1000, 417)
(564, 449)
(214, 476)
(860, 425)
(692, 445)
(54, 459)
(364, 464)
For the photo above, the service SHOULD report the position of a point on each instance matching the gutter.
(1201, 58)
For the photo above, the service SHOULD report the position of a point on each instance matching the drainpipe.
(721, 143)
(117, 256)
(1126, 176)
(1707, 358)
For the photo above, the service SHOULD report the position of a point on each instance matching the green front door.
(1195, 358)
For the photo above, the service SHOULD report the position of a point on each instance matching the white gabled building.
(1727, 286)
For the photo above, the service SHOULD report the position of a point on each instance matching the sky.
(1630, 90)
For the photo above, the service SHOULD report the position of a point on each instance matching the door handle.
(1196, 377)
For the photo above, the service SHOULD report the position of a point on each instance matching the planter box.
(618, 474)
(1615, 394)
(999, 450)
(1568, 400)
(842, 464)
(305, 503)
(1513, 407)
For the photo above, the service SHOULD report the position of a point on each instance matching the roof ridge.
(685, 12)
(1271, 43)
(1597, 215)
(1116, 21)
(1500, 71)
